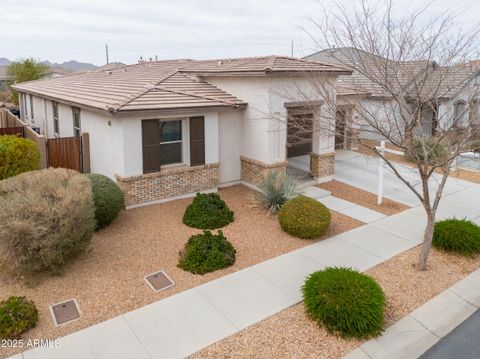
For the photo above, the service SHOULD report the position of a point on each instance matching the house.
(169, 129)
(454, 91)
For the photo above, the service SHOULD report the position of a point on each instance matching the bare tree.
(411, 62)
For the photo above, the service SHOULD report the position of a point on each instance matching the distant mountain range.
(71, 65)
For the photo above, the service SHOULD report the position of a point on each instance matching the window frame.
(56, 122)
(171, 142)
(25, 105)
(76, 110)
(459, 117)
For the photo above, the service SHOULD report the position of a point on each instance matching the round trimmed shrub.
(17, 315)
(207, 252)
(108, 199)
(457, 235)
(345, 302)
(207, 211)
(304, 217)
(17, 155)
(47, 219)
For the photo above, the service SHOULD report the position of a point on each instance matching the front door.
(299, 135)
(340, 129)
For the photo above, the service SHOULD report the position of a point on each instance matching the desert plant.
(276, 189)
(345, 302)
(207, 252)
(457, 235)
(47, 218)
(108, 199)
(17, 315)
(207, 211)
(17, 155)
(428, 150)
(304, 217)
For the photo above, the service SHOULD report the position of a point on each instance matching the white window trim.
(182, 147)
(31, 108)
(74, 110)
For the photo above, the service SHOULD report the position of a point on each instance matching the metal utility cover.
(65, 312)
(159, 281)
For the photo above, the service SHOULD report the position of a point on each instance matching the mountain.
(72, 65)
(4, 61)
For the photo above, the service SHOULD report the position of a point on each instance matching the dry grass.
(290, 334)
(108, 280)
(362, 198)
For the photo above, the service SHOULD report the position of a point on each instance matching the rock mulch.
(291, 334)
(362, 198)
(108, 280)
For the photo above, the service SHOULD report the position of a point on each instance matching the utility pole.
(291, 49)
(106, 51)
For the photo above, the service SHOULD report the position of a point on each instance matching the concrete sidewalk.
(182, 324)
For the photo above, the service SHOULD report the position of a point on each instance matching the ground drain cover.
(159, 281)
(65, 312)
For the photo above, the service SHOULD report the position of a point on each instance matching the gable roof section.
(163, 85)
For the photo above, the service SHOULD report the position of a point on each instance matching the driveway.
(361, 171)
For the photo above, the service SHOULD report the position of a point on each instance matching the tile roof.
(161, 85)
(422, 78)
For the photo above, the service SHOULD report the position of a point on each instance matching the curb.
(414, 334)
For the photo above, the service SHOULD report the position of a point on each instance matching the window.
(474, 111)
(31, 107)
(459, 112)
(170, 142)
(56, 127)
(76, 122)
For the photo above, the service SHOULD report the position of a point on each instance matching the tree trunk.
(427, 241)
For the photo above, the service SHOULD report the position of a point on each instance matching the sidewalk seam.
(428, 330)
(136, 336)
(460, 297)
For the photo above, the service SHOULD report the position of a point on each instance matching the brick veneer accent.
(322, 165)
(253, 171)
(169, 182)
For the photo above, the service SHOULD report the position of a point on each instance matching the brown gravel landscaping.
(362, 198)
(108, 280)
(291, 334)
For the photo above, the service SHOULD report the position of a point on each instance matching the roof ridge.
(148, 87)
(271, 63)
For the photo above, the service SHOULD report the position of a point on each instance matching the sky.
(79, 29)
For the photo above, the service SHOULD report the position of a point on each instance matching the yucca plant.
(276, 189)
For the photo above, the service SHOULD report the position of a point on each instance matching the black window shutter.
(197, 141)
(151, 146)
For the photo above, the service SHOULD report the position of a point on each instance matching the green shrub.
(17, 315)
(345, 302)
(304, 217)
(207, 211)
(428, 150)
(207, 252)
(457, 235)
(276, 189)
(47, 219)
(17, 155)
(108, 199)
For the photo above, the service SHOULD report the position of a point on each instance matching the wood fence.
(65, 152)
(17, 131)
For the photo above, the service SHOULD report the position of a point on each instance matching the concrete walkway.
(414, 334)
(347, 208)
(182, 324)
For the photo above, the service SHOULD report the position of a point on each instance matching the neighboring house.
(459, 87)
(4, 78)
(168, 129)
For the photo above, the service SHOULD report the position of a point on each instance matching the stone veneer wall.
(169, 182)
(322, 165)
(253, 171)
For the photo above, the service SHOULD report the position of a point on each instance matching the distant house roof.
(111, 66)
(163, 85)
(439, 82)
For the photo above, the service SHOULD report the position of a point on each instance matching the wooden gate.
(65, 152)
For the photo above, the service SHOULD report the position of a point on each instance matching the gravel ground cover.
(362, 198)
(291, 334)
(108, 280)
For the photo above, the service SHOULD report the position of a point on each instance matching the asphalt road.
(462, 343)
